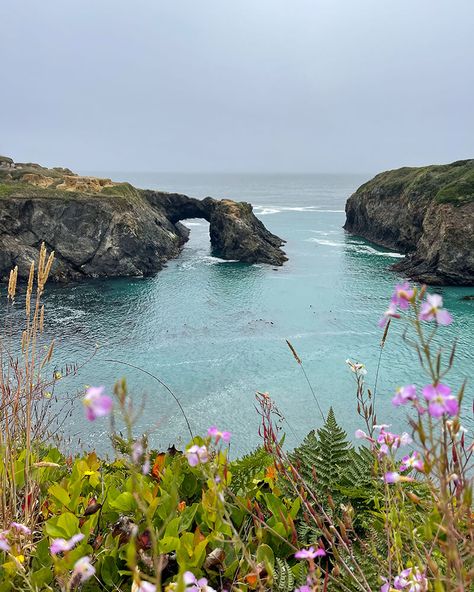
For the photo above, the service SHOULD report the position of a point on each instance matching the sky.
(237, 86)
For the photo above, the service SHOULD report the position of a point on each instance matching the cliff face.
(426, 213)
(99, 228)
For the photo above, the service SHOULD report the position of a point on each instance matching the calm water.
(215, 331)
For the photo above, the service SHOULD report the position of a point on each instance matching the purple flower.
(412, 461)
(197, 454)
(96, 403)
(440, 400)
(404, 394)
(195, 585)
(4, 544)
(431, 309)
(409, 580)
(215, 433)
(61, 545)
(310, 553)
(83, 569)
(137, 451)
(403, 295)
(390, 313)
(20, 527)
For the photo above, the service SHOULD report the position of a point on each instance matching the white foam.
(355, 247)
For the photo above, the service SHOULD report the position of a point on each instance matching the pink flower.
(20, 527)
(197, 454)
(146, 587)
(96, 403)
(310, 553)
(61, 545)
(392, 477)
(195, 585)
(410, 580)
(83, 569)
(4, 544)
(390, 313)
(403, 295)
(431, 309)
(215, 433)
(412, 462)
(440, 400)
(404, 394)
(389, 441)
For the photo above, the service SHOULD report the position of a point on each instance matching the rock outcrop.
(99, 228)
(426, 213)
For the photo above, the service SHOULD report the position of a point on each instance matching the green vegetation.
(451, 183)
(325, 517)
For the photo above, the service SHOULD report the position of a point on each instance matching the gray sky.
(242, 85)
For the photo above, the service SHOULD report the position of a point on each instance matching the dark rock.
(426, 213)
(99, 228)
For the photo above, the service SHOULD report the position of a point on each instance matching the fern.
(322, 458)
(247, 468)
(283, 580)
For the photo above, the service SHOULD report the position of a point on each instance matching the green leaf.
(42, 577)
(60, 494)
(125, 502)
(109, 571)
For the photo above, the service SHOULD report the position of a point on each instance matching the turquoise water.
(215, 331)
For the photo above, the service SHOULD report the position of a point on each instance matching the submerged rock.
(426, 213)
(99, 228)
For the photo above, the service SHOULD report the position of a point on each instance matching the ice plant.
(310, 553)
(440, 400)
(432, 309)
(63, 545)
(404, 394)
(96, 403)
(215, 433)
(195, 585)
(83, 570)
(412, 461)
(197, 454)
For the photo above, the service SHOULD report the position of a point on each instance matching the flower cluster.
(16, 528)
(195, 585)
(404, 296)
(409, 580)
(197, 455)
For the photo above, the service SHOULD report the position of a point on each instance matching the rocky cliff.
(99, 228)
(426, 213)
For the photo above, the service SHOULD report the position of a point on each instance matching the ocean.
(214, 331)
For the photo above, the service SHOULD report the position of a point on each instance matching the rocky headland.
(100, 228)
(426, 213)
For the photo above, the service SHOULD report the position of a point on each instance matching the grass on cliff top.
(450, 183)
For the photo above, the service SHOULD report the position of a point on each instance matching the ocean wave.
(360, 248)
(186, 223)
(270, 209)
(204, 260)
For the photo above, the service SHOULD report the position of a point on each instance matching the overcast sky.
(242, 85)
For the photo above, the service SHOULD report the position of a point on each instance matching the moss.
(6, 189)
(453, 183)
